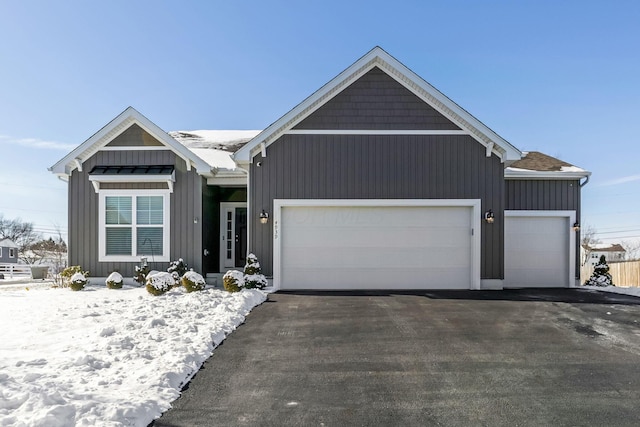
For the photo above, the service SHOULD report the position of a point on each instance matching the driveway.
(529, 357)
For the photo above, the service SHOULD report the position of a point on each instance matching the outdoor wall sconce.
(576, 226)
(489, 217)
(264, 217)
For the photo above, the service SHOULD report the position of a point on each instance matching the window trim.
(166, 226)
(12, 252)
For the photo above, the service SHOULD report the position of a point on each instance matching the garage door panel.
(375, 278)
(369, 257)
(375, 247)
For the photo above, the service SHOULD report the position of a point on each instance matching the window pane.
(149, 241)
(149, 210)
(118, 209)
(118, 241)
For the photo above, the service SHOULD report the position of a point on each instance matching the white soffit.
(377, 57)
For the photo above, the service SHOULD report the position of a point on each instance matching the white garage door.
(536, 251)
(375, 247)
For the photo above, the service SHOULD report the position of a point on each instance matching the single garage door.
(375, 247)
(536, 251)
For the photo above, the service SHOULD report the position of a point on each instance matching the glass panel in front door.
(241, 237)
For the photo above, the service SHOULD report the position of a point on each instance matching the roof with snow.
(607, 247)
(215, 146)
(7, 243)
(535, 164)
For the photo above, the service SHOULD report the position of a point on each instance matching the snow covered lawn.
(633, 291)
(106, 357)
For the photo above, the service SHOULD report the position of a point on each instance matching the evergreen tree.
(600, 276)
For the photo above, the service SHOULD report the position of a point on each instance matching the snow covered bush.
(159, 283)
(233, 281)
(114, 281)
(193, 281)
(177, 269)
(253, 277)
(140, 274)
(77, 281)
(68, 273)
(600, 276)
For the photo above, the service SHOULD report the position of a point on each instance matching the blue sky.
(556, 77)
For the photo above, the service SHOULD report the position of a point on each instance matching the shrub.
(253, 277)
(177, 269)
(193, 281)
(233, 281)
(159, 283)
(600, 276)
(140, 274)
(114, 281)
(68, 273)
(77, 281)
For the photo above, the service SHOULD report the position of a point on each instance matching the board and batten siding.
(376, 101)
(378, 167)
(185, 202)
(547, 195)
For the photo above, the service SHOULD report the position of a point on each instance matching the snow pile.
(78, 278)
(100, 357)
(228, 140)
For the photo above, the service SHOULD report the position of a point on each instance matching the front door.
(233, 232)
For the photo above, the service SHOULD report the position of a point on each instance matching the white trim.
(571, 216)
(78, 164)
(373, 132)
(117, 126)
(474, 204)
(377, 57)
(228, 181)
(168, 178)
(223, 229)
(136, 148)
(531, 174)
(0, 251)
(166, 225)
(12, 252)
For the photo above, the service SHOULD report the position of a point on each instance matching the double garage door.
(327, 247)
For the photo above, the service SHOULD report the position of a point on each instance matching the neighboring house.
(8, 252)
(377, 180)
(613, 252)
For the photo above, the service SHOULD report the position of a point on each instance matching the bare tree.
(633, 249)
(21, 233)
(588, 240)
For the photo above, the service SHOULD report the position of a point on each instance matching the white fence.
(11, 271)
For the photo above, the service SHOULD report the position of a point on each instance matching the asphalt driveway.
(530, 357)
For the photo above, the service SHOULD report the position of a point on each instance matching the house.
(613, 252)
(8, 252)
(375, 181)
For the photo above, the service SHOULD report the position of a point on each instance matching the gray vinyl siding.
(134, 136)
(547, 195)
(4, 255)
(185, 205)
(378, 167)
(376, 101)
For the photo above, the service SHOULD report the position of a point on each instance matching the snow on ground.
(615, 289)
(106, 357)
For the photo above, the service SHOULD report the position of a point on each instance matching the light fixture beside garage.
(489, 217)
(576, 226)
(264, 217)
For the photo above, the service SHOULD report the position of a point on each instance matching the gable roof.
(607, 247)
(115, 127)
(377, 57)
(7, 243)
(537, 165)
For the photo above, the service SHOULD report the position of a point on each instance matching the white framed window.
(0, 252)
(12, 253)
(134, 224)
